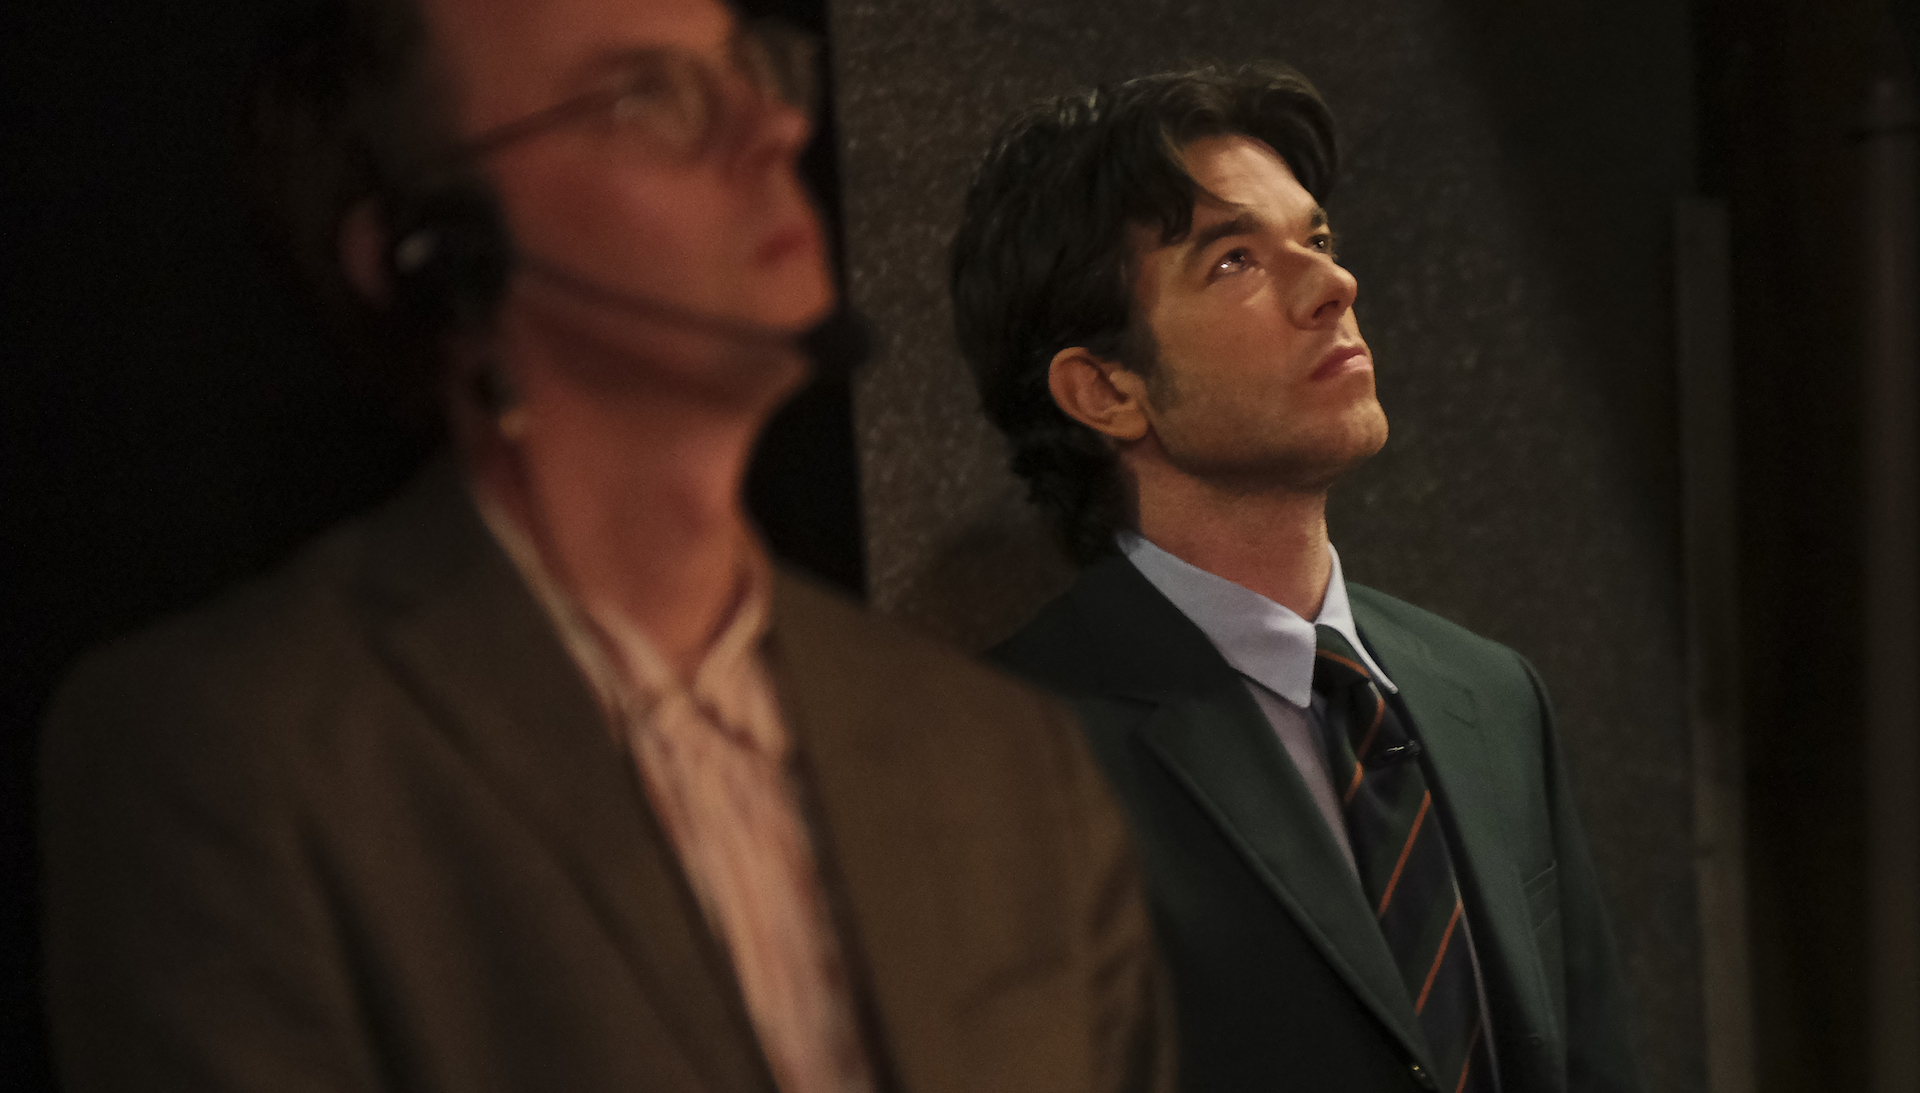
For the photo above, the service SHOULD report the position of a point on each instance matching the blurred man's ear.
(363, 246)
(1100, 394)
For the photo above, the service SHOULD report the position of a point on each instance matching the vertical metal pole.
(1710, 534)
(1892, 586)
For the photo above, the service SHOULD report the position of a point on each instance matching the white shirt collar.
(1262, 640)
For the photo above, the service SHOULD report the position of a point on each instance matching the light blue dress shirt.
(1273, 650)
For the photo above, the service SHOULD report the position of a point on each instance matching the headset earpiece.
(450, 257)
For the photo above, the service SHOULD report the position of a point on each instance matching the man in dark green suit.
(1365, 861)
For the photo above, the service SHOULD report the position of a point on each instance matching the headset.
(451, 258)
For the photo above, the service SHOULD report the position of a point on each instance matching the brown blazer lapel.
(452, 617)
(908, 837)
(853, 762)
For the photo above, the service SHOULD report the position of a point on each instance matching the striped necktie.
(1404, 866)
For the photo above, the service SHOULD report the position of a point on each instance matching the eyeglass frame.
(790, 76)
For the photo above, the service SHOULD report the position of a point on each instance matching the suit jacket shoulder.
(1111, 632)
(815, 622)
(1417, 632)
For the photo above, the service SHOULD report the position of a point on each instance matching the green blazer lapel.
(1221, 747)
(1209, 731)
(1447, 718)
(453, 619)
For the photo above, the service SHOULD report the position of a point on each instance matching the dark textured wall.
(1510, 176)
(1784, 86)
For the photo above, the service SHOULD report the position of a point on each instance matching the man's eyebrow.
(1246, 222)
(617, 61)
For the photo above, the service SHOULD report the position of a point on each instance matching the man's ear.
(363, 246)
(1100, 394)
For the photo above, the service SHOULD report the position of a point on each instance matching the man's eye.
(1322, 242)
(664, 102)
(642, 94)
(1233, 261)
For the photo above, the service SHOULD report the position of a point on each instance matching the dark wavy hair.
(1041, 261)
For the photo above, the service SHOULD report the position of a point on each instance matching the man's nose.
(1328, 290)
(767, 128)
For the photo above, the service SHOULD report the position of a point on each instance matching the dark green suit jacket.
(1282, 978)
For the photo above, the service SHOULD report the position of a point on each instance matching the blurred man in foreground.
(542, 777)
(1362, 848)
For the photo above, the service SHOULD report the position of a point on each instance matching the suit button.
(1420, 1076)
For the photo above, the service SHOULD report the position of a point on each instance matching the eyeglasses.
(679, 104)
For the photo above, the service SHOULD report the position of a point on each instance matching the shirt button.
(1420, 1076)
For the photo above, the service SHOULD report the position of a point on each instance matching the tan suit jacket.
(360, 826)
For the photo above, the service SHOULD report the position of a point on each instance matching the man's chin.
(807, 306)
(1316, 467)
(794, 295)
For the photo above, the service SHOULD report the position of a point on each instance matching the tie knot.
(1335, 664)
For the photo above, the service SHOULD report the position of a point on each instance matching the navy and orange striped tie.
(1404, 865)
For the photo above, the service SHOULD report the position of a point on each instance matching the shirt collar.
(1259, 638)
(626, 670)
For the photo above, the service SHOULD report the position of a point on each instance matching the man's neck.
(1272, 541)
(632, 498)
